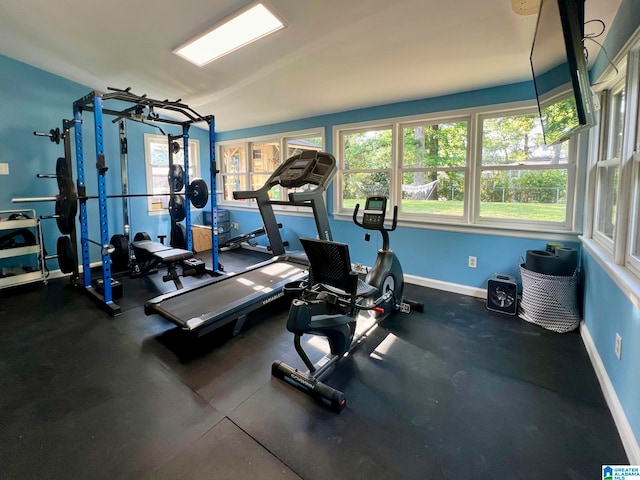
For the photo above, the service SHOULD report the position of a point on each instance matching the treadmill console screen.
(295, 175)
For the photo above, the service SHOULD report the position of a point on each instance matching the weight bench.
(150, 254)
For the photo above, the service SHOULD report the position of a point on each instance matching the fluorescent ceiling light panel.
(235, 32)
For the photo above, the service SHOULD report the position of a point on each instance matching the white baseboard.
(431, 283)
(53, 274)
(446, 286)
(624, 429)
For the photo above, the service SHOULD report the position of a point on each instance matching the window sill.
(545, 235)
(628, 283)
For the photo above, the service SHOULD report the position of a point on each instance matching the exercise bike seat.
(363, 290)
(330, 267)
(316, 313)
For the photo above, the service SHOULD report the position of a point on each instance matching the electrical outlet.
(618, 347)
(473, 262)
(235, 226)
(4, 169)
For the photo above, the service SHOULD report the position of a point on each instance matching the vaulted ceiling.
(334, 55)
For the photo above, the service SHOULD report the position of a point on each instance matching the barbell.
(198, 195)
(67, 201)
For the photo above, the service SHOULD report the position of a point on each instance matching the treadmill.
(207, 307)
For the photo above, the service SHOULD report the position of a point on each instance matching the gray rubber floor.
(457, 392)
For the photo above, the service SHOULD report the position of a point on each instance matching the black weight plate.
(199, 193)
(62, 171)
(66, 258)
(179, 236)
(120, 255)
(66, 212)
(176, 175)
(141, 236)
(66, 207)
(177, 208)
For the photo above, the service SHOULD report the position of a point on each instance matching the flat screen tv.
(560, 71)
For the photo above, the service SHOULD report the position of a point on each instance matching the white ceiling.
(334, 55)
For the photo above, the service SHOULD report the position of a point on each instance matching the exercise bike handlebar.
(347, 302)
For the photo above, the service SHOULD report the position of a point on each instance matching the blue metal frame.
(101, 169)
(187, 181)
(213, 192)
(94, 101)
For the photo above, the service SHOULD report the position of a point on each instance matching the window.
(265, 159)
(366, 164)
(616, 167)
(156, 150)
(608, 166)
(630, 152)
(234, 170)
(522, 179)
(249, 163)
(437, 171)
(434, 168)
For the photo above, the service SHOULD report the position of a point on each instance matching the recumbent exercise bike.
(335, 299)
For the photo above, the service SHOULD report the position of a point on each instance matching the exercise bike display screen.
(374, 212)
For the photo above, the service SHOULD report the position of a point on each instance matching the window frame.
(631, 155)
(470, 220)
(570, 166)
(464, 169)
(194, 165)
(608, 130)
(246, 143)
(338, 182)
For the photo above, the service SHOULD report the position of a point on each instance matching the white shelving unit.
(32, 224)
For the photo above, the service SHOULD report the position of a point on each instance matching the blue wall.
(32, 100)
(607, 311)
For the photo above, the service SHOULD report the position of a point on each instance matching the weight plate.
(199, 193)
(176, 175)
(120, 255)
(62, 171)
(66, 207)
(66, 257)
(177, 208)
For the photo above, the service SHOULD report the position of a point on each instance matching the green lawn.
(545, 212)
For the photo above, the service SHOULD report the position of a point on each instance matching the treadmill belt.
(225, 298)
